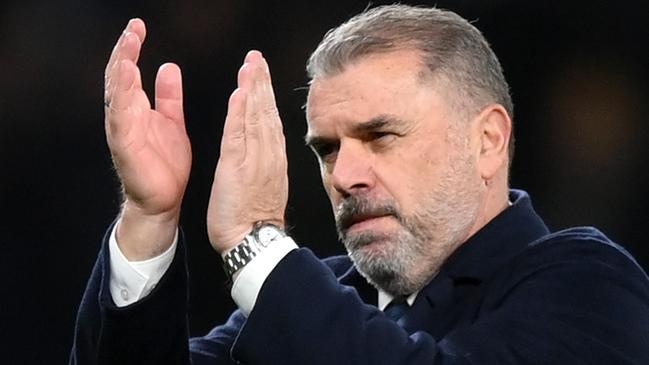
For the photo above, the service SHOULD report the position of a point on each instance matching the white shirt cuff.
(249, 280)
(131, 281)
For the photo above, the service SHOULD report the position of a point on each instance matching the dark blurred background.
(578, 73)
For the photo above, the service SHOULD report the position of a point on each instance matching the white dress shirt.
(131, 281)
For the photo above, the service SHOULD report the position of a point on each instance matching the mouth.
(362, 221)
(358, 213)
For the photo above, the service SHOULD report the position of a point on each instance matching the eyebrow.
(372, 125)
(377, 123)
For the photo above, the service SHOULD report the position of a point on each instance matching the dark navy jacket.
(512, 294)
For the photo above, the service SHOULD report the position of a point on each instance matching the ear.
(494, 127)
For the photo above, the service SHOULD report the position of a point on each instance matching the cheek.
(412, 175)
(328, 187)
(397, 179)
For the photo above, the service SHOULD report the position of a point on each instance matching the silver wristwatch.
(262, 235)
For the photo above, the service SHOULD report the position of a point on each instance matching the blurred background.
(578, 73)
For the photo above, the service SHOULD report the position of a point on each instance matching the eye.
(379, 135)
(325, 151)
(381, 138)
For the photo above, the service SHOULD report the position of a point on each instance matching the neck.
(496, 199)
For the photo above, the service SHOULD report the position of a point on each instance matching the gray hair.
(450, 47)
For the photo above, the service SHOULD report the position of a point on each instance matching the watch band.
(261, 236)
(240, 256)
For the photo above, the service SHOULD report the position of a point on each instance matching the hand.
(149, 147)
(250, 182)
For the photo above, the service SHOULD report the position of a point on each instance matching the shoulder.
(579, 235)
(575, 288)
(580, 252)
(338, 264)
(586, 243)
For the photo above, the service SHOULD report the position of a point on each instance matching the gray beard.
(403, 261)
(387, 264)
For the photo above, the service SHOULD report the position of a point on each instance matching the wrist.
(225, 240)
(141, 236)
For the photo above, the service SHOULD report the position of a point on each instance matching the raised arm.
(152, 157)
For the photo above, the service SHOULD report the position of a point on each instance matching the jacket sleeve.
(153, 330)
(304, 316)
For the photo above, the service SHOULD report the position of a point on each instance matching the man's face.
(398, 165)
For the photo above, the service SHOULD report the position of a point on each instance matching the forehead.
(394, 83)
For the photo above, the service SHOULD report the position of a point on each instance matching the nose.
(353, 169)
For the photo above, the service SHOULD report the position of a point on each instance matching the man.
(410, 117)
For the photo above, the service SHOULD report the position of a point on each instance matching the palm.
(153, 158)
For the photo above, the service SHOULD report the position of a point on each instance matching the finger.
(234, 121)
(253, 114)
(252, 56)
(274, 144)
(137, 80)
(267, 114)
(233, 141)
(169, 92)
(117, 115)
(269, 103)
(251, 127)
(129, 49)
(266, 84)
(246, 83)
(134, 25)
(245, 77)
(137, 26)
(123, 92)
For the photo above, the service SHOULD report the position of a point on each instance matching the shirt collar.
(385, 299)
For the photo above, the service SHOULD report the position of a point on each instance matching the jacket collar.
(498, 241)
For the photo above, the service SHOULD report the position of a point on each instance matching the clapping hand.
(149, 147)
(250, 182)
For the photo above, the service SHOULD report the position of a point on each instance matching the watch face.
(268, 234)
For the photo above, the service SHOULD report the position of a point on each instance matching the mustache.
(357, 208)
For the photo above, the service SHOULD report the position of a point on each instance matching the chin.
(391, 262)
(383, 272)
